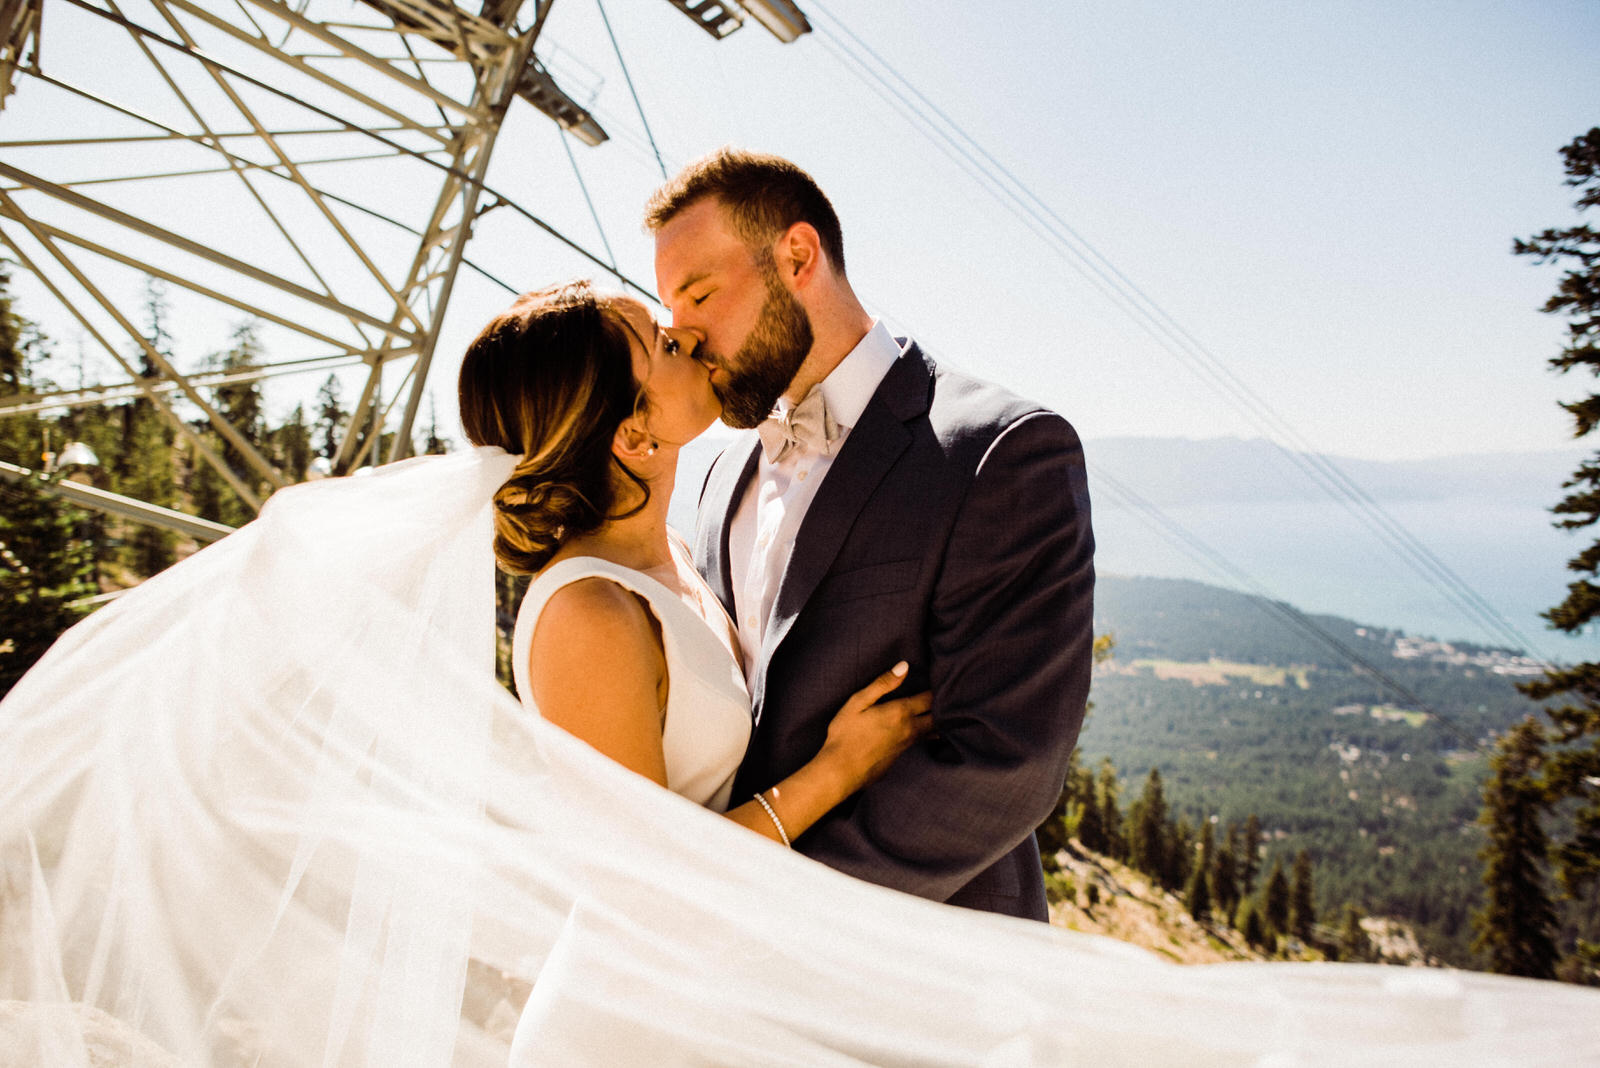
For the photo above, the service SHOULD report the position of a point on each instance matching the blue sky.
(1322, 194)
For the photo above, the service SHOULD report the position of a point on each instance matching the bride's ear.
(632, 441)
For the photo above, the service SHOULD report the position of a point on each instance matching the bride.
(270, 807)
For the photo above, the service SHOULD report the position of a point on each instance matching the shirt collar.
(850, 386)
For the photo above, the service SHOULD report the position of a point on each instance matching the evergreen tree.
(433, 444)
(330, 420)
(241, 404)
(1514, 928)
(1248, 920)
(1148, 839)
(1110, 793)
(291, 445)
(13, 350)
(144, 469)
(1275, 900)
(1302, 912)
(47, 568)
(1091, 821)
(1249, 855)
(1572, 769)
(1052, 834)
(1354, 945)
(1179, 853)
(157, 310)
(1197, 895)
(1224, 875)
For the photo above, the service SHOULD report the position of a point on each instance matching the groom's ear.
(799, 254)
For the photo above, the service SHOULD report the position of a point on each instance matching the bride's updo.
(551, 378)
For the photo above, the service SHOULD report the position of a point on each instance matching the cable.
(1209, 558)
(499, 199)
(629, 79)
(1104, 276)
(584, 186)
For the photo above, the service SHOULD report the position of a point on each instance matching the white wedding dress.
(271, 809)
(706, 725)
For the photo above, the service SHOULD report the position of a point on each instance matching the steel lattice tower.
(336, 125)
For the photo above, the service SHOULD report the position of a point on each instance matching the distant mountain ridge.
(1188, 471)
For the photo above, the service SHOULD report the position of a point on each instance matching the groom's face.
(756, 333)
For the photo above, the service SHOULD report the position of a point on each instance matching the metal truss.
(333, 126)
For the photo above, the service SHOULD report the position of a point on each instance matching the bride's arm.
(598, 672)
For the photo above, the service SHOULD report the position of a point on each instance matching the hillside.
(1244, 714)
(1094, 894)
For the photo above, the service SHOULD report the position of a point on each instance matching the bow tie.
(807, 426)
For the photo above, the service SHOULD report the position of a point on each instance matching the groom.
(886, 509)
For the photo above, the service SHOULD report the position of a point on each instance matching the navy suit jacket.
(952, 531)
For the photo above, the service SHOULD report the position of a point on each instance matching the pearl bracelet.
(773, 815)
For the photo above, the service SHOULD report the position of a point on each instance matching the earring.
(651, 451)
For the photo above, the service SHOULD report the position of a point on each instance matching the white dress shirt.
(774, 504)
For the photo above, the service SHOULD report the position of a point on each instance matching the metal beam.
(202, 530)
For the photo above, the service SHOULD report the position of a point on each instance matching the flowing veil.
(271, 808)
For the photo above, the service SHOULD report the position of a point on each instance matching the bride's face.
(677, 387)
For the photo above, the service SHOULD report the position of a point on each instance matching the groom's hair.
(764, 196)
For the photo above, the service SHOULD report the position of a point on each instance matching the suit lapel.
(730, 474)
(871, 449)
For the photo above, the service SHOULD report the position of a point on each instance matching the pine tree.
(1224, 875)
(1572, 769)
(1302, 911)
(47, 568)
(1248, 920)
(241, 404)
(1052, 834)
(1354, 943)
(1197, 895)
(1249, 855)
(1091, 821)
(1179, 853)
(1148, 840)
(330, 420)
(144, 469)
(1275, 900)
(1514, 928)
(291, 445)
(157, 309)
(433, 444)
(1109, 793)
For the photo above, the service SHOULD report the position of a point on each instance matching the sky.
(1322, 196)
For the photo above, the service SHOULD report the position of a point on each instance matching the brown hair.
(551, 378)
(764, 195)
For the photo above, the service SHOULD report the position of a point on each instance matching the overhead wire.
(1199, 551)
(497, 199)
(623, 63)
(1015, 195)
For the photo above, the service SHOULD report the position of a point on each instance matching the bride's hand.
(867, 734)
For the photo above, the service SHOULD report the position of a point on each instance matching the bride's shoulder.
(593, 616)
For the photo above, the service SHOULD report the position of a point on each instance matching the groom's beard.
(766, 363)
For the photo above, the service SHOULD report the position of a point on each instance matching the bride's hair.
(551, 378)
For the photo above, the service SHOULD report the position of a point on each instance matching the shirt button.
(802, 475)
(749, 621)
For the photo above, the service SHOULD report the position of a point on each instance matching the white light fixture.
(77, 452)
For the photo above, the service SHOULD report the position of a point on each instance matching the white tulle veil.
(271, 808)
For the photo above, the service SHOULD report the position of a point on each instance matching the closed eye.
(701, 299)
